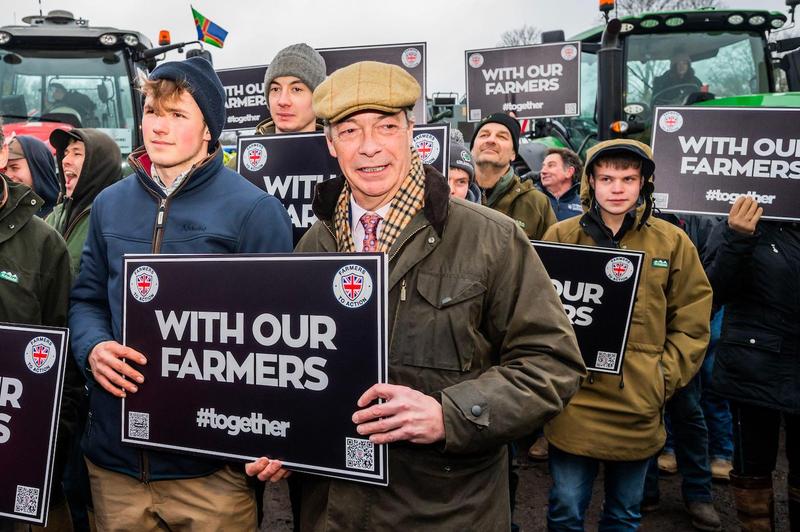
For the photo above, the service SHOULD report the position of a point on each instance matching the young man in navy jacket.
(180, 199)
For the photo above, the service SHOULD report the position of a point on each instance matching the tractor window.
(682, 68)
(82, 88)
(582, 128)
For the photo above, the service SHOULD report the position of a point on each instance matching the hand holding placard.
(407, 414)
(745, 214)
(108, 367)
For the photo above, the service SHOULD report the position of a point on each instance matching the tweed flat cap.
(365, 85)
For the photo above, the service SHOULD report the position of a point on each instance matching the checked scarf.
(406, 203)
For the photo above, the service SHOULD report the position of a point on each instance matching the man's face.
(459, 182)
(493, 146)
(554, 173)
(19, 172)
(616, 191)
(290, 105)
(374, 153)
(74, 155)
(174, 132)
(3, 155)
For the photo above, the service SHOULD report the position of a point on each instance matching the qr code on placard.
(139, 425)
(475, 114)
(360, 454)
(570, 108)
(27, 500)
(606, 360)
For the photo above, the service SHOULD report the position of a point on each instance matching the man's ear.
(331, 147)
(207, 134)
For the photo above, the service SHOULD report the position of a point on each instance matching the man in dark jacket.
(560, 181)
(31, 163)
(34, 290)
(494, 145)
(88, 162)
(180, 199)
(472, 363)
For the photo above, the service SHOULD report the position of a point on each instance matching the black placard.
(597, 287)
(536, 81)
(258, 355)
(412, 57)
(706, 157)
(245, 97)
(289, 166)
(32, 362)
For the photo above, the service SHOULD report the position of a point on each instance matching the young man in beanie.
(617, 420)
(472, 364)
(494, 146)
(461, 173)
(290, 80)
(180, 199)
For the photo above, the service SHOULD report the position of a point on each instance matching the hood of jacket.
(645, 208)
(43, 171)
(102, 166)
(18, 204)
(200, 173)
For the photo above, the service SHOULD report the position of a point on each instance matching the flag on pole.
(207, 31)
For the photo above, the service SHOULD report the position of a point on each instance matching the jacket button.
(447, 468)
(11, 226)
(431, 240)
(476, 410)
(752, 340)
(33, 202)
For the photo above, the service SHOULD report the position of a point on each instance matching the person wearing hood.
(34, 290)
(494, 146)
(88, 161)
(560, 181)
(31, 163)
(665, 347)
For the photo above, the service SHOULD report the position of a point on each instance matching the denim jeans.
(573, 477)
(716, 409)
(690, 437)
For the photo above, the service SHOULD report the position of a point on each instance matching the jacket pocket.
(439, 329)
(753, 339)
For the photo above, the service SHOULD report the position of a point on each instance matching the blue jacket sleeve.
(267, 229)
(89, 315)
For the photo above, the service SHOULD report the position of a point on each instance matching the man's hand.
(108, 367)
(267, 469)
(406, 414)
(745, 214)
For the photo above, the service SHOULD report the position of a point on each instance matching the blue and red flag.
(207, 31)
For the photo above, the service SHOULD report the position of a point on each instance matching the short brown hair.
(570, 160)
(163, 90)
(618, 161)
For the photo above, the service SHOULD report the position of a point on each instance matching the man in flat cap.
(481, 351)
(494, 146)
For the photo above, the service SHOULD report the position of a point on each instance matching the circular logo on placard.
(427, 146)
(569, 52)
(476, 60)
(352, 286)
(254, 157)
(144, 284)
(40, 354)
(619, 269)
(671, 121)
(411, 57)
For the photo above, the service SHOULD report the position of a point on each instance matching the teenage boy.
(616, 420)
(180, 199)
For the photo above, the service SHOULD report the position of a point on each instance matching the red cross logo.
(424, 149)
(254, 157)
(619, 269)
(40, 354)
(670, 121)
(352, 285)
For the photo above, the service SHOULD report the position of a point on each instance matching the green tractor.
(629, 64)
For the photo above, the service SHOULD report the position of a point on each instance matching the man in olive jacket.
(494, 146)
(617, 419)
(480, 349)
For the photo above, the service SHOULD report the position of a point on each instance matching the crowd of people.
(711, 357)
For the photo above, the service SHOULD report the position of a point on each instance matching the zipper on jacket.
(403, 291)
(144, 464)
(158, 232)
(81, 215)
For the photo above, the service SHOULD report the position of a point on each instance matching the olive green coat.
(522, 203)
(616, 417)
(474, 322)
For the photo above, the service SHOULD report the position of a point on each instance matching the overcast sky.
(258, 29)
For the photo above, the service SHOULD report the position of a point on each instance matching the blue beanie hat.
(205, 87)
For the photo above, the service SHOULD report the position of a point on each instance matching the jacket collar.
(502, 186)
(199, 174)
(435, 209)
(18, 205)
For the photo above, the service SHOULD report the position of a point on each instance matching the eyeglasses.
(353, 134)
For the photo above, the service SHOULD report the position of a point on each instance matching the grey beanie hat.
(461, 158)
(298, 60)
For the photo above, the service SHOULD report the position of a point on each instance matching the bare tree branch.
(637, 7)
(520, 36)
